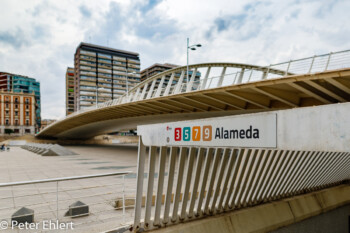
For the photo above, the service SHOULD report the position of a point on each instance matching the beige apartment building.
(17, 113)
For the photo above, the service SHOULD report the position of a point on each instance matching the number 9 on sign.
(207, 133)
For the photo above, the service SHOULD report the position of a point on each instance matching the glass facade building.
(103, 74)
(23, 84)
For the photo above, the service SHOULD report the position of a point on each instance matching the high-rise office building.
(155, 69)
(23, 84)
(159, 68)
(17, 113)
(70, 90)
(104, 72)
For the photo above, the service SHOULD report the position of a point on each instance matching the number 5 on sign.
(187, 134)
(207, 133)
(196, 133)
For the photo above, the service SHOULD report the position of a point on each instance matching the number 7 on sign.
(196, 133)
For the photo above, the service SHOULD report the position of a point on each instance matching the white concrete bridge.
(223, 89)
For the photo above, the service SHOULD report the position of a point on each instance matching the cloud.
(39, 38)
(85, 11)
(16, 38)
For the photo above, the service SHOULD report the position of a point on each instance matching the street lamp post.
(192, 47)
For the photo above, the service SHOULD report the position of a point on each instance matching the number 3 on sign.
(177, 134)
(187, 134)
(196, 133)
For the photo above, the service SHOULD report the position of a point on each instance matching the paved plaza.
(99, 193)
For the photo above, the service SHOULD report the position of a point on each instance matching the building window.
(16, 122)
(16, 100)
(27, 122)
(27, 113)
(7, 113)
(16, 106)
(7, 122)
(27, 130)
(27, 106)
(16, 113)
(16, 131)
(7, 105)
(27, 101)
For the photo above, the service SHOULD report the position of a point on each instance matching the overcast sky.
(38, 38)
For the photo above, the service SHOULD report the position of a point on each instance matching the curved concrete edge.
(268, 217)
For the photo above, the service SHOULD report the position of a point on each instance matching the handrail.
(61, 179)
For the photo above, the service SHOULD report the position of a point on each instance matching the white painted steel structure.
(155, 86)
(195, 181)
(222, 89)
(206, 181)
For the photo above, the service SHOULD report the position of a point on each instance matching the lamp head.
(199, 45)
(193, 48)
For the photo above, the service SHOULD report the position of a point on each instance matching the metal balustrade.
(50, 199)
(188, 183)
(156, 86)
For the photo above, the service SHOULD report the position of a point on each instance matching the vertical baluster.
(190, 84)
(205, 80)
(150, 182)
(310, 166)
(280, 157)
(196, 181)
(312, 63)
(170, 83)
(341, 171)
(222, 76)
(160, 87)
(139, 183)
(212, 180)
(188, 183)
(238, 153)
(252, 174)
(217, 189)
(150, 92)
(304, 166)
(329, 59)
(282, 170)
(285, 73)
(226, 180)
(293, 166)
(168, 198)
(207, 163)
(241, 177)
(262, 158)
(159, 197)
(179, 83)
(183, 152)
(240, 78)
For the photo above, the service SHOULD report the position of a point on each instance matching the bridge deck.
(280, 93)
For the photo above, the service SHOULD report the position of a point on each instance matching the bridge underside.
(272, 94)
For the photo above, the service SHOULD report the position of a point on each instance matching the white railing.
(50, 199)
(196, 182)
(246, 73)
